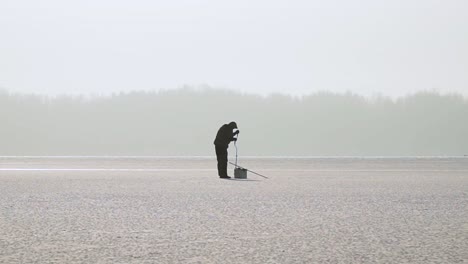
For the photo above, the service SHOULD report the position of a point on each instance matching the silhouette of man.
(224, 136)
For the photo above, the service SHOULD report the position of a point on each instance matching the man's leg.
(219, 159)
(224, 162)
(222, 157)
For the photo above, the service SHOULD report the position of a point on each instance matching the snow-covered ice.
(176, 210)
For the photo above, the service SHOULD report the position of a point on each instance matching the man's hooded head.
(233, 125)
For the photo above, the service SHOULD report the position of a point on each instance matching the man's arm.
(233, 138)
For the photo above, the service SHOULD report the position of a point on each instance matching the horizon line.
(244, 157)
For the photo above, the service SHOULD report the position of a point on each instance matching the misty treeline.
(185, 121)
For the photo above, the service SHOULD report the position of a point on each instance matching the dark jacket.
(224, 136)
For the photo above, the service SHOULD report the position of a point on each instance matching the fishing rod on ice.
(242, 168)
(249, 170)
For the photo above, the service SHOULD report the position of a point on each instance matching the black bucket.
(240, 173)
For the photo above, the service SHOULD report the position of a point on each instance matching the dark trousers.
(222, 157)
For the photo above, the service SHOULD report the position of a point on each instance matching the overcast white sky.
(368, 46)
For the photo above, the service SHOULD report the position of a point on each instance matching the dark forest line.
(185, 121)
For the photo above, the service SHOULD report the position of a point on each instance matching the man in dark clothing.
(224, 136)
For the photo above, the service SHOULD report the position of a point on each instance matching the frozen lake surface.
(176, 210)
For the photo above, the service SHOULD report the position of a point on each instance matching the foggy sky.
(102, 46)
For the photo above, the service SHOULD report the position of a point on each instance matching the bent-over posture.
(224, 136)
